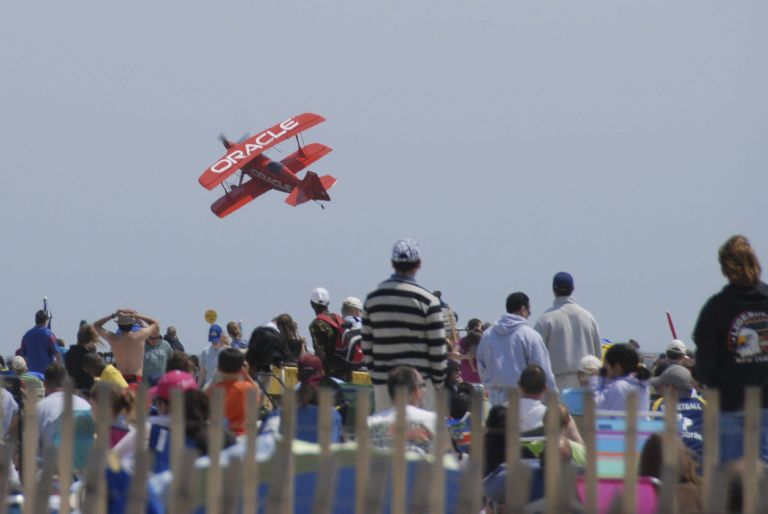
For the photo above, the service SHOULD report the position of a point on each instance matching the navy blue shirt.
(690, 418)
(38, 347)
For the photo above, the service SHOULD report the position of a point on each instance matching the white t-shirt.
(420, 426)
(531, 414)
(10, 409)
(50, 409)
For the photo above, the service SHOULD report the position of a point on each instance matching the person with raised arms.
(128, 342)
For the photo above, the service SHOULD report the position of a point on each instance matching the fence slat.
(250, 464)
(437, 473)
(552, 453)
(711, 454)
(215, 441)
(325, 488)
(752, 415)
(420, 503)
(325, 405)
(6, 455)
(514, 502)
(137, 493)
(65, 457)
(376, 489)
(630, 455)
(669, 473)
(590, 442)
(399, 468)
(231, 486)
(94, 502)
(177, 435)
(29, 449)
(288, 425)
(363, 456)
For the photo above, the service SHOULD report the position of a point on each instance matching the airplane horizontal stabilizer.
(310, 188)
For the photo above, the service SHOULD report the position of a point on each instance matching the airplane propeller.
(224, 140)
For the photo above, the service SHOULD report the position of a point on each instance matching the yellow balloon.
(210, 316)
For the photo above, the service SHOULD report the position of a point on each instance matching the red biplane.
(264, 174)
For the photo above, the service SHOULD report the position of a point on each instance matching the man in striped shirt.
(403, 326)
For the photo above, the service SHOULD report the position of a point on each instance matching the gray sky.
(620, 141)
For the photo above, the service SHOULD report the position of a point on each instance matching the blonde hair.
(739, 263)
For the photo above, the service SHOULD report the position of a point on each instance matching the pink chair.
(609, 488)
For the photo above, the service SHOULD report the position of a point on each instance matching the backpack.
(348, 347)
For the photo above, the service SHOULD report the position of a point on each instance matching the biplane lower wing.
(237, 197)
(240, 154)
(311, 187)
(305, 156)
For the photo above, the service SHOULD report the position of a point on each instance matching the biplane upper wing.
(237, 197)
(241, 154)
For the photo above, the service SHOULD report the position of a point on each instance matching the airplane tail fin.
(311, 187)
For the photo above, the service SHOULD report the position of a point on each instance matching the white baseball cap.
(320, 296)
(353, 302)
(677, 346)
(589, 364)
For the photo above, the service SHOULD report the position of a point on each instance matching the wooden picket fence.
(235, 488)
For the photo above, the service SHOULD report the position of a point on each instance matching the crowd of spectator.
(400, 338)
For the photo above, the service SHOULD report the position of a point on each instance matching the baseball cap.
(214, 334)
(310, 369)
(677, 346)
(18, 363)
(353, 302)
(174, 379)
(406, 250)
(589, 364)
(562, 280)
(320, 296)
(676, 376)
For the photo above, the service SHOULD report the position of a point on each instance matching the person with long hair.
(731, 336)
(87, 338)
(689, 485)
(295, 344)
(622, 374)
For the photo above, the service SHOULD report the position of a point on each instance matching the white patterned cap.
(320, 296)
(406, 250)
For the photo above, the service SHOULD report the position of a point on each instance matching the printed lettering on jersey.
(748, 337)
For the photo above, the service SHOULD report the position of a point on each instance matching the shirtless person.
(128, 342)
